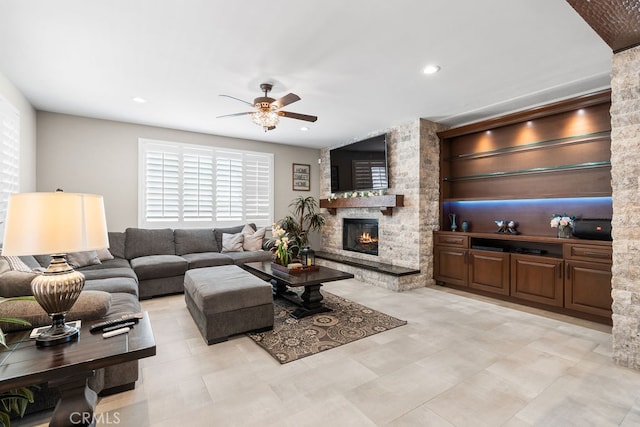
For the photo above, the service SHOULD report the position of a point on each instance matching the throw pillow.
(232, 242)
(218, 232)
(16, 264)
(104, 254)
(253, 239)
(82, 259)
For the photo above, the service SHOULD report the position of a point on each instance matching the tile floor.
(461, 360)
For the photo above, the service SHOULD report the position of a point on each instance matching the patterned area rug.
(293, 339)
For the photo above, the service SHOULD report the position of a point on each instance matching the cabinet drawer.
(583, 252)
(452, 239)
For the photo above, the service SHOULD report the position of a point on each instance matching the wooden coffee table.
(310, 301)
(69, 365)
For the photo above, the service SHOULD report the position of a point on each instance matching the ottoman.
(227, 300)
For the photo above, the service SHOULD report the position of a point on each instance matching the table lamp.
(55, 223)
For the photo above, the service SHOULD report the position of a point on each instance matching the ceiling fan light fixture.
(266, 119)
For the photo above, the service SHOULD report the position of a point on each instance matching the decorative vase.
(454, 226)
(564, 232)
(465, 226)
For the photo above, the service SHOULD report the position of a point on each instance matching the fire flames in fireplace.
(365, 238)
(360, 235)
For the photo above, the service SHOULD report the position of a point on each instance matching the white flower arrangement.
(356, 194)
(562, 221)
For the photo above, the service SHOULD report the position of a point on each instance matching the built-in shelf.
(538, 145)
(385, 203)
(577, 166)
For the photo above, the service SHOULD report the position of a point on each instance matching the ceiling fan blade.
(235, 114)
(237, 99)
(285, 100)
(298, 116)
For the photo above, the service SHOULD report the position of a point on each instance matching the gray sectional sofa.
(140, 263)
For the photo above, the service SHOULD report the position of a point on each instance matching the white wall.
(87, 155)
(27, 133)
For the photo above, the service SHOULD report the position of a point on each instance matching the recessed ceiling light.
(431, 69)
(304, 128)
(139, 100)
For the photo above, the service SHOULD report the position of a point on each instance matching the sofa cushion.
(250, 256)
(122, 303)
(82, 259)
(232, 242)
(142, 242)
(190, 241)
(123, 285)
(90, 305)
(105, 273)
(218, 232)
(207, 259)
(107, 264)
(158, 266)
(116, 243)
(253, 238)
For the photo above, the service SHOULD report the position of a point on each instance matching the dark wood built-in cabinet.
(566, 275)
(525, 167)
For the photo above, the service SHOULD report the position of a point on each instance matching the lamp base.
(58, 333)
(56, 290)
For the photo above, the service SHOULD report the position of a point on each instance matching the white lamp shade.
(54, 223)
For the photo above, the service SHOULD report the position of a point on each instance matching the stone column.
(625, 182)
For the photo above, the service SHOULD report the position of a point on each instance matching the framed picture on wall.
(301, 177)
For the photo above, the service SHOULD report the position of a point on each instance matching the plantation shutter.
(162, 179)
(9, 156)
(257, 187)
(194, 186)
(229, 187)
(198, 185)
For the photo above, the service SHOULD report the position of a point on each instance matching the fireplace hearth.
(360, 235)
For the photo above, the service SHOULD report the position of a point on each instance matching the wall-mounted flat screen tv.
(360, 166)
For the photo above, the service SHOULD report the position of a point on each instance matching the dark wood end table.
(310, 301)
(69, 365)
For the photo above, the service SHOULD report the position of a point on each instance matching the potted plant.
(304, 218)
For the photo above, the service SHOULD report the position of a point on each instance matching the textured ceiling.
(356, 64)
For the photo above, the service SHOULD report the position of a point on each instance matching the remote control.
(129, 317)
(116, 332)
(118, 326)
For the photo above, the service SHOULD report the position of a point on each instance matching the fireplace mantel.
(386, 203)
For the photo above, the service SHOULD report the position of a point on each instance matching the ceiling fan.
(268, 110)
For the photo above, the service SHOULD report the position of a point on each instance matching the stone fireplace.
(360, 235)
(406, 233)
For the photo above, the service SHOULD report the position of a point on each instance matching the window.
(9, 156)
(185, 185)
